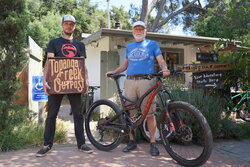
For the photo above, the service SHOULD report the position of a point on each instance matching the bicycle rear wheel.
(102, 134)
(243, 111)
(191, 142)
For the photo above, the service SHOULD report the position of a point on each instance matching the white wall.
(34, 69)
(93, 62)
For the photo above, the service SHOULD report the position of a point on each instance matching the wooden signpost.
(213, 79)
(206, 75)
(66, 75)
(204, 67)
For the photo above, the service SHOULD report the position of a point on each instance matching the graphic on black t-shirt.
(69, 50)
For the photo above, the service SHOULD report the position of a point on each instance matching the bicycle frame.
(245, 96)
(157, 88)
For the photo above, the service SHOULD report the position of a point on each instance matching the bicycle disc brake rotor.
(186, 133)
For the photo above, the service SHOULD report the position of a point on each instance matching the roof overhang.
(160, 37)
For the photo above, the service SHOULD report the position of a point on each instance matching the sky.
(102, 4)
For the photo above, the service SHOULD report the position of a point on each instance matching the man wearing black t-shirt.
(65, 46)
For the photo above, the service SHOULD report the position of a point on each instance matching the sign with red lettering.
(66, 75)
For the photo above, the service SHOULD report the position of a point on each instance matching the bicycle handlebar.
(115, 76)
(147, 76)
(94, 87)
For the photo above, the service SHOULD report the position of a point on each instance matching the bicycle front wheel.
(243, 111)
(190, 142)
(105, 135)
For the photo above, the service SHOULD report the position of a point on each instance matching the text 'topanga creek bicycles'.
(184, 131)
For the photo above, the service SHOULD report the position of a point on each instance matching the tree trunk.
(159, 20)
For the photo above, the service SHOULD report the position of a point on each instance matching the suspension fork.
(167, 115)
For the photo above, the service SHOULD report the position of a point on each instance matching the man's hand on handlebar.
(165, 73)
(108, 73)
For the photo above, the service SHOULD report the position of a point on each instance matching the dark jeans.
(54, 103)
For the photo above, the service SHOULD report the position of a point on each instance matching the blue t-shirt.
(141, 56)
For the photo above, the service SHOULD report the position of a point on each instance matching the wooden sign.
(66, 75)
(206, 57)
(204, 67)
(208, 79)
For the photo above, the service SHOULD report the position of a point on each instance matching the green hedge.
(212, 108)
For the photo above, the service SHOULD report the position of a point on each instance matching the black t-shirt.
(62, 47)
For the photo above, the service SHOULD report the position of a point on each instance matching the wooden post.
(40, 113)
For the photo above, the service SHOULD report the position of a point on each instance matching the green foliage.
(239, 76)
(119, 15)
(46, 21)
(29, 134)
(229, 129)
(212, 108)
(229, 19)
(84, 15)
(45, 29)
(245, 129)
(14, 19)
(225, 19)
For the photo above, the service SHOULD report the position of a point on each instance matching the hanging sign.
(206, 57)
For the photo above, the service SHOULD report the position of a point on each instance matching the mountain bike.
(184, 131)
(240, 103)
(87, 99)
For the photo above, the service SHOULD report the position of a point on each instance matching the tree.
(13, 42)
(167, 12)
(47, 14)
(121, 16)
(225, 19)
(45, 29)
(229, 19)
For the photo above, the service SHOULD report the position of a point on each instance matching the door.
(109, 62)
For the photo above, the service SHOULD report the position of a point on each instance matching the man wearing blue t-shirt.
(140, 58)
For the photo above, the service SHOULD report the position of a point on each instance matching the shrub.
(28, 134)
(212, 107)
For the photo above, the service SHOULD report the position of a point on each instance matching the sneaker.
(154, 150)
(130, 146)
(45, 150)
(86, 149)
